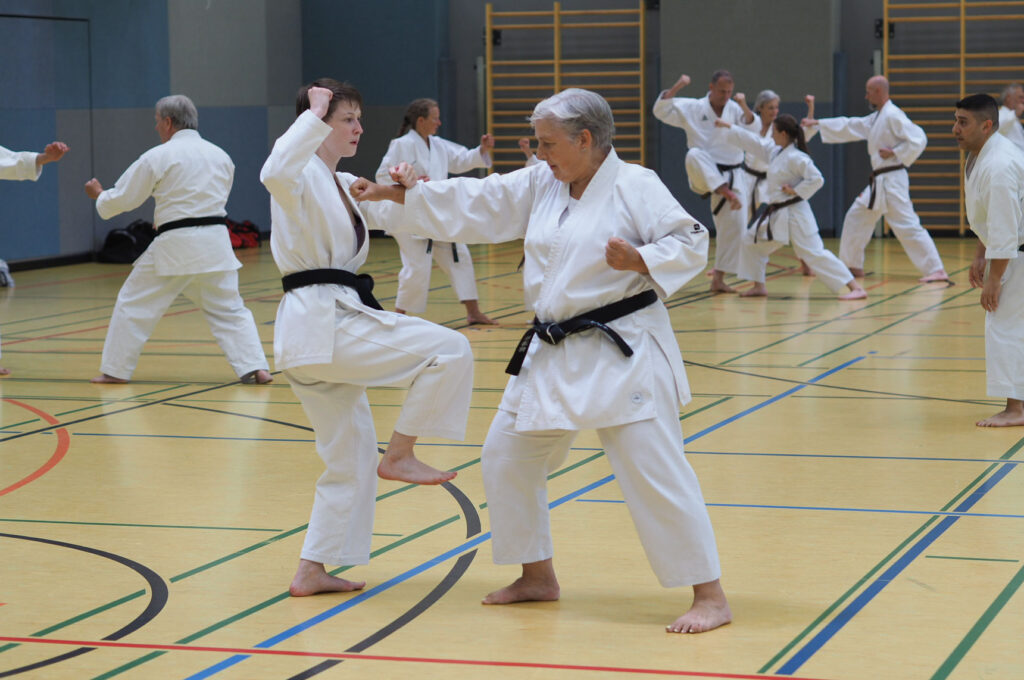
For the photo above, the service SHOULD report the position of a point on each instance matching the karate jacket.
(995, 198)
(18, 165)
(697, 118)
(1010, 126)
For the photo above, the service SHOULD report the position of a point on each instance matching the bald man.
(894, 143)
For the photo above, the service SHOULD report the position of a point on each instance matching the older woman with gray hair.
(605, 242)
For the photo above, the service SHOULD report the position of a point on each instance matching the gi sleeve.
(461, 159)
(130, 191)
(675, 246)
(912, 139)
(494, 209)
(811, 178)
(391, 159)
(18, 165)
(757, 146)
(841, 129)
(673, 111)
(1004, 214)
(282, 173)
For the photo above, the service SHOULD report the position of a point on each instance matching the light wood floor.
(867, 528)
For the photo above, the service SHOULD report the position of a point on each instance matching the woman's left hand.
(622, 256)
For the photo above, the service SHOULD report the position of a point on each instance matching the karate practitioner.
(1010, 113)
(21, 165)
(605, 242)
(791, 179)
(894, 143)
(333, 341)
(713, 166)
(189, 179)
(994, 192)
(433, 158)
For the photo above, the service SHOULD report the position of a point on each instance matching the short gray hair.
(763, 97)
(180, 110)
(577, 110)
(1008, 91)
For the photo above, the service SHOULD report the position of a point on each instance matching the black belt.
(455, 252)
(191, 222)
(1021, 249)
(361, 283)
(766, 214)
(876, 173)
(554, 332)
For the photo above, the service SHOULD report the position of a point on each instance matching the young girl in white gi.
(433, 158)
(333, 341)
(605, 241)
(792, 178)
(21, 165)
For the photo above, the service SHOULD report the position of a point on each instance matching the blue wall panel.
(29, 218)
(242, 132)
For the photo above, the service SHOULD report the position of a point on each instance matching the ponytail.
(787, 125)
(418, 108)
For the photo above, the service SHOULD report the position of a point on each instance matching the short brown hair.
(342, 92)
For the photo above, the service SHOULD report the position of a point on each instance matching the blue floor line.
(939, 513)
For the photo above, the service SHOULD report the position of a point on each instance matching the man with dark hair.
(25, 165)
(1010, 113)
(994, 191)
(190, 179)
(713, 166)
(894, 144)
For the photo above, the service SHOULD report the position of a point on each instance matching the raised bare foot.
(857, 272)
(412, 470)
(805, 270)
(757, 290)
(5, 371)
(1005, 418)
(311, 578)
(108, 379)
(858, 294)
(525, 590)
(939, 275)
(709, 611)
(260, 377)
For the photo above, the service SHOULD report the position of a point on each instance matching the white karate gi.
(707, 150)
(187, 176)
(586, 382)
(18, 165)
(887, 128)
(994, 190)
(793, 224)
(434, 162)
(332, 346)
(1009, 125)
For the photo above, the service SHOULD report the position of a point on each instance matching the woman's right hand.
(403, 173)
(319, 100)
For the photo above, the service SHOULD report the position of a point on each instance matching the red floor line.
(407, 659)
(63, 444)
(86, 330)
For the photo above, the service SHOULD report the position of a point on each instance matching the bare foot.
(311, 578)
(805, 270)
(260, 377)
(858, 294)
(709, 611)
(108, 379)
(734, 201)
(939, 275)
(537, 584)
(857, 272)
(718, 284)
(757, 290)
(5, 371)
(400, 464)
(480, 318)
(1011, 416)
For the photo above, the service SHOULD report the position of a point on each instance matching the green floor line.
(970, 559)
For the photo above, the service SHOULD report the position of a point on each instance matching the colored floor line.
(844, 616)
(979, 627)
(398, 659)
(63, 444)
(969, 559)
(473, 543)
(813, 508)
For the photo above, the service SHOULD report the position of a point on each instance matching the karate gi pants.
(892, 199)
(414, 278)
(146, 295)
(1004, 336)
(433, 362)
(660, 488)
(704, 177)
(807, 245)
